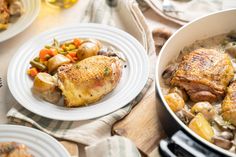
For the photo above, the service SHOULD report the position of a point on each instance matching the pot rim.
(161, 96)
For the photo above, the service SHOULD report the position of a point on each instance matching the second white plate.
(31, 10)
(39, 143)
(133, 79)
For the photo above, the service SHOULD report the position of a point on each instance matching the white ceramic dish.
(208, 26)
(39, 143)
(31, 10)
(133, 78)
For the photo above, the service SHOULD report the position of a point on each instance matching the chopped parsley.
(106, 71)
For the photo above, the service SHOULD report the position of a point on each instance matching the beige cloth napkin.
(188, 10)
(127, 16)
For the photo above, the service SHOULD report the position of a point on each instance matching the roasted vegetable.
(32, 72)
(205, 108)
(230, 48)
(56, 61)
(169, 72)
(175, 101)
(201, 127)
(179, 91)
(45, 86)
(221, 142)
(38, 65)
(87, 49)
(111, 52)
(98, 43)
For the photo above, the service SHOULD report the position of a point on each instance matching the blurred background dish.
(38, 143)
(61, 3)
(29, 13)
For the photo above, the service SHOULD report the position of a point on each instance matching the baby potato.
(205, 108)
(56, 61)
(98, 43)
(45, 87)
(201, 127)
(230, 48)
(43, 82)
(179, 91)
(175, 101)
(87, 49)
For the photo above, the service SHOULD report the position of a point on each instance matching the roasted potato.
(179, 91)
(175, 101)
(87, 49)
(205, 108)
(56, 61)
(45, 86)
(201, 127)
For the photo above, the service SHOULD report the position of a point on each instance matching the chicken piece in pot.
(204, 74)
(229, 104)
(88, 80)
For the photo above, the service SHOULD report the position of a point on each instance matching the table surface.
(50, 18)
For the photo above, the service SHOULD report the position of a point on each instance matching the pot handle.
(180, 144)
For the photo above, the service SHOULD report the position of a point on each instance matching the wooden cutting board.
(142, 125)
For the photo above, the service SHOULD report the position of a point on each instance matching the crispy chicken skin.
(204, 74)
(13, 149)
(229, 104)
(88, 80)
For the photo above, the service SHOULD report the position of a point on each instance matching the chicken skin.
(88, 80)
(229, 104)
(204, 74)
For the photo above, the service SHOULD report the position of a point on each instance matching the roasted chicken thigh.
(229, 104)
(204, 74)
(88, 80)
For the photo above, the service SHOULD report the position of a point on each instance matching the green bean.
(67, 48)
(36, 59)
(72, 47)
(47, 56)
(63, 52)
(48, 46)
(38, 65)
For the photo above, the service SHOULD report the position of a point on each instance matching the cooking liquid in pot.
(224, 133)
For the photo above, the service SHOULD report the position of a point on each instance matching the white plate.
(31, 10)
(39, 143)
(133, 78)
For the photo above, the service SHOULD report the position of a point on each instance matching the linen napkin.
(188, 10)
(122, 14)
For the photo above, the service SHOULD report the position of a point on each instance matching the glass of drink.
(61, 3)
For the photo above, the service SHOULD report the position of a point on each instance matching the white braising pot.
(182, 141)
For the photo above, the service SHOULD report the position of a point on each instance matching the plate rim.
(23, 28)
(94, 25)
(14, 128)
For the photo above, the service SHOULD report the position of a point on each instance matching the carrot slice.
(54, 53)
(77, 42)
(43, 54)
(72, 54)
(32, 72)
(75, 58)
(72, 60)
